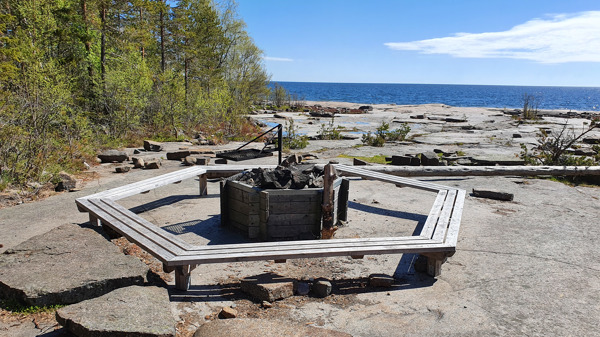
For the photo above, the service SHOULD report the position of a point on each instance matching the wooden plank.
(264, 206)
(243, 207)
(243, 196)
(313, 253)
(150, 230)
(391, 179)
(294, 219)
(250, 220)
(276, 207)
(203, 184)
(442, 225)
(452, 235)
(293, 231)
(309, 245)
(434, 214)
(148, 245)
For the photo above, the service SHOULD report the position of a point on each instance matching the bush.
(330, 132)
(383, 134)
(294, 140)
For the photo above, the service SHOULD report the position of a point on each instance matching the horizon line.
(500, 85)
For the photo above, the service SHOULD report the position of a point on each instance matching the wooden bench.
(436, 241)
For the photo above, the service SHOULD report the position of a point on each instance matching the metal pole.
(279, 141)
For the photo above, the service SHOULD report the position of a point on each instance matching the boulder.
(220, 161)
(490, 194)
(137, 162)
(592, 140)
(177, 155)
(67, 265)
(430, 159)
(130, 311)
(268, 287)
(67, 182)
(228, 312)
(189, 161)
(366, 108)
(110, 156)
(359, 162)
(302, 288)
(122, 169)
(263, 328)
(152, 165)
(153, 146)
(322, 288)
(401, 160)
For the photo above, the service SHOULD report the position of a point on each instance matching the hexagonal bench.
(436, 240)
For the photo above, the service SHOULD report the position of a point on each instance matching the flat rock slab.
(268, 287)
(129, 311)
(66, 265)
(250, 327)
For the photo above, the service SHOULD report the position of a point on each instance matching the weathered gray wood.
(496, 195)
(434, 214)
(452, 171)
(203, 184)
(442, 225)
(328, 195)
(264, 215)
(183, 277)
(452, 235)
(367, 173)
(277, 207)
(343, 197)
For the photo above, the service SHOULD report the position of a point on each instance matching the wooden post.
(94, 220)
(327, 205)
(343, 200)
(203, 184)
(183, 277)
(434, 263)
(224, 209)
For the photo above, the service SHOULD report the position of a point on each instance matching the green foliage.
(377, 159)
(383, 134)
(553, 149)
(77, 75)
(530, 107)
(18, 308)
(294, 140)
(330, 131)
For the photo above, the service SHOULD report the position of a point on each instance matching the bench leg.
(434, 263)
(183, 277)
(93, 220)
(203, 184)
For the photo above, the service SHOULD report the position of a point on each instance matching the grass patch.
(18, 308)
(377, 159)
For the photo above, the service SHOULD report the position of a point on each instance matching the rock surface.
(322, 288)
(67, 182)
(268, 287)
(67, 265)
(130, 311)
(150, 145)
(110, 156)
(262, 328)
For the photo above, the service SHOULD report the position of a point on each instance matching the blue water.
(498, 96)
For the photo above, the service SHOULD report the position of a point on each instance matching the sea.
(493, 96)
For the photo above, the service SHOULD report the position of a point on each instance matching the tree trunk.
(162, 41)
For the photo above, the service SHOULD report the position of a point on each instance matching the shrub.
(330, 132)
(294, 140)
(383, 134)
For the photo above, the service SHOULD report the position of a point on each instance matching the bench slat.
(434, 214)
(391, 179)
(129, 218)
(151, 247)
(452, 235)
(141, 233)
(442, 225)
(325, 252)
(315, 244)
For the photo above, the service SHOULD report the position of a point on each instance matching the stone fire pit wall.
(279, 214)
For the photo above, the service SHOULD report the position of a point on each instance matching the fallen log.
(449, 171)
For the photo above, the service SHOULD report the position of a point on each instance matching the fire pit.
(280, 204)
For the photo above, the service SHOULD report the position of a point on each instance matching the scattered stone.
(228, 312)
(415, 161)
(359, 162)
(268, 287)
(122, 169)
(136, 151)
(417, 117)
(68, 264)
(464, 162)
(220, 161)
(266, 304)
(366, 108)
(430, 159)
(152, 165)
(455, 120)
(279, 116)
(321, 288)
(110, 156)
(517, 135)
(189, 161)
(177, 155)
(401, 160)
(381, 280)
(202, 161)
(137, 162)
(67, 182)
(302, 288)
(492, 160)
(153, 146)
(130, 311)
(496, 195)
(334, 161)
(592, 140)
(264, 328)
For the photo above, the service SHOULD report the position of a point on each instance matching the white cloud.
(560, 39)
(278, 59)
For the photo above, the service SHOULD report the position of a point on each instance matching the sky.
(507, 42)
